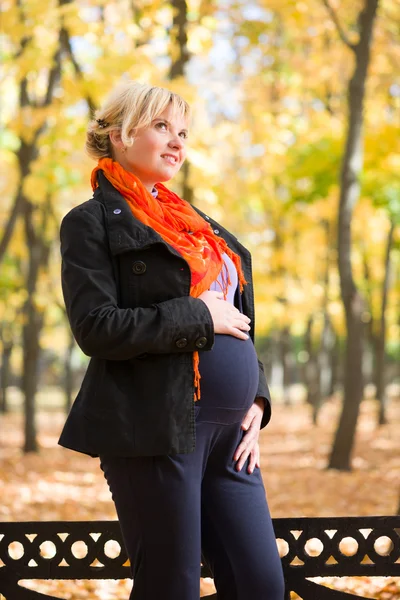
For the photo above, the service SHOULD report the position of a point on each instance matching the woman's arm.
(100, 327)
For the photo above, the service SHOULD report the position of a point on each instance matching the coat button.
(181, 343)
(139, 267)
(117, 211)
(201, 342)
(216, 231)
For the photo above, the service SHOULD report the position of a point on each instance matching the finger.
(238, 333)
(243, 446)
(252, 461)
(232, 308)
(242, 460)
(256, 418)
(254, 428)
(239, 450)
(247, 420)
(246, 443)
(240, 324)
(258, 456)
(250, 421)
(238, 314)
(238, 318)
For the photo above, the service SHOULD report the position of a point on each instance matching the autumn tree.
(353, 301)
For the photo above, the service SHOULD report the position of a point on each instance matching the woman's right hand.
(226, 317)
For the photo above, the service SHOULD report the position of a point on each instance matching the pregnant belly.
(229, 373)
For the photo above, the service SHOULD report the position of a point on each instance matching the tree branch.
(66, 44)
(342, 34)
(9, 228)
(54, 77)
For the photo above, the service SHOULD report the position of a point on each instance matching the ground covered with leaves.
(57, 484)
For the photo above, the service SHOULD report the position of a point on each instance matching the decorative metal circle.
(38, 556)
(5, 555)
(70, 557)
(107, 560)
(394, 553)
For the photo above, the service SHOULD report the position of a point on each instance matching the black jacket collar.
(128, 233)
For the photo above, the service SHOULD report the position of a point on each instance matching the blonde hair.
(130, 106)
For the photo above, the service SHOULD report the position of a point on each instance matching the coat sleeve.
(263, 392)
(100, 327)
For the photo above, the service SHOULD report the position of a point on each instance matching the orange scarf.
(180, 226)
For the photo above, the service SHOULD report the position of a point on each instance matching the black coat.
(126, 293)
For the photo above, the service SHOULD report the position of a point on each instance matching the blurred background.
(294, 147)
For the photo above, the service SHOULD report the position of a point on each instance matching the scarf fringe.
(197, 376)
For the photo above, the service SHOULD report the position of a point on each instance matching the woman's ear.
(115, 138)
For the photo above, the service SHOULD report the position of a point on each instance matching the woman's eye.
(183, 134)
(161, 125)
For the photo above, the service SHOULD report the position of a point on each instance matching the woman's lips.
(170, 158)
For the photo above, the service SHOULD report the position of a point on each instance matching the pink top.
(217, 285)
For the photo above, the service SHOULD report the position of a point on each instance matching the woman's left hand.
(249, 445)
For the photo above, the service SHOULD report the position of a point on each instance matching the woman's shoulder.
(89, 208)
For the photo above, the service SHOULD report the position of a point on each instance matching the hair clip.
(102, 123)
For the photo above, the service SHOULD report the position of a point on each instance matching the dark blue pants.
(175, 509)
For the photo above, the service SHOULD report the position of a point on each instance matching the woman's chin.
(167, 175)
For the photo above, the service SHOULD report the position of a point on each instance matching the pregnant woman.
(160, 296)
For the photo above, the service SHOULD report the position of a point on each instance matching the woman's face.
(157, 152)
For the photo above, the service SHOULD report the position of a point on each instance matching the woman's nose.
(176, 142)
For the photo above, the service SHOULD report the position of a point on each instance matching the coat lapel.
(126, 233)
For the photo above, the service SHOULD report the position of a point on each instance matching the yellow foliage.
(265, 128)
(35, 188)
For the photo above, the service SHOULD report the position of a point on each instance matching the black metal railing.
(311, 547)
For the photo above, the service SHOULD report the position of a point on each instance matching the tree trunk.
(178, 36)
(370, 325)
(327, 341)
(180, 57)
(334, 361)
(29, 378)
(30, 331)
(381, 341)
(324, 358)
(32, 320)
(286, 361)
(349, 193)
(311, 372)
(276, 376)
(38, 258)
(5, 375)
(8, 230)
(37, 247)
